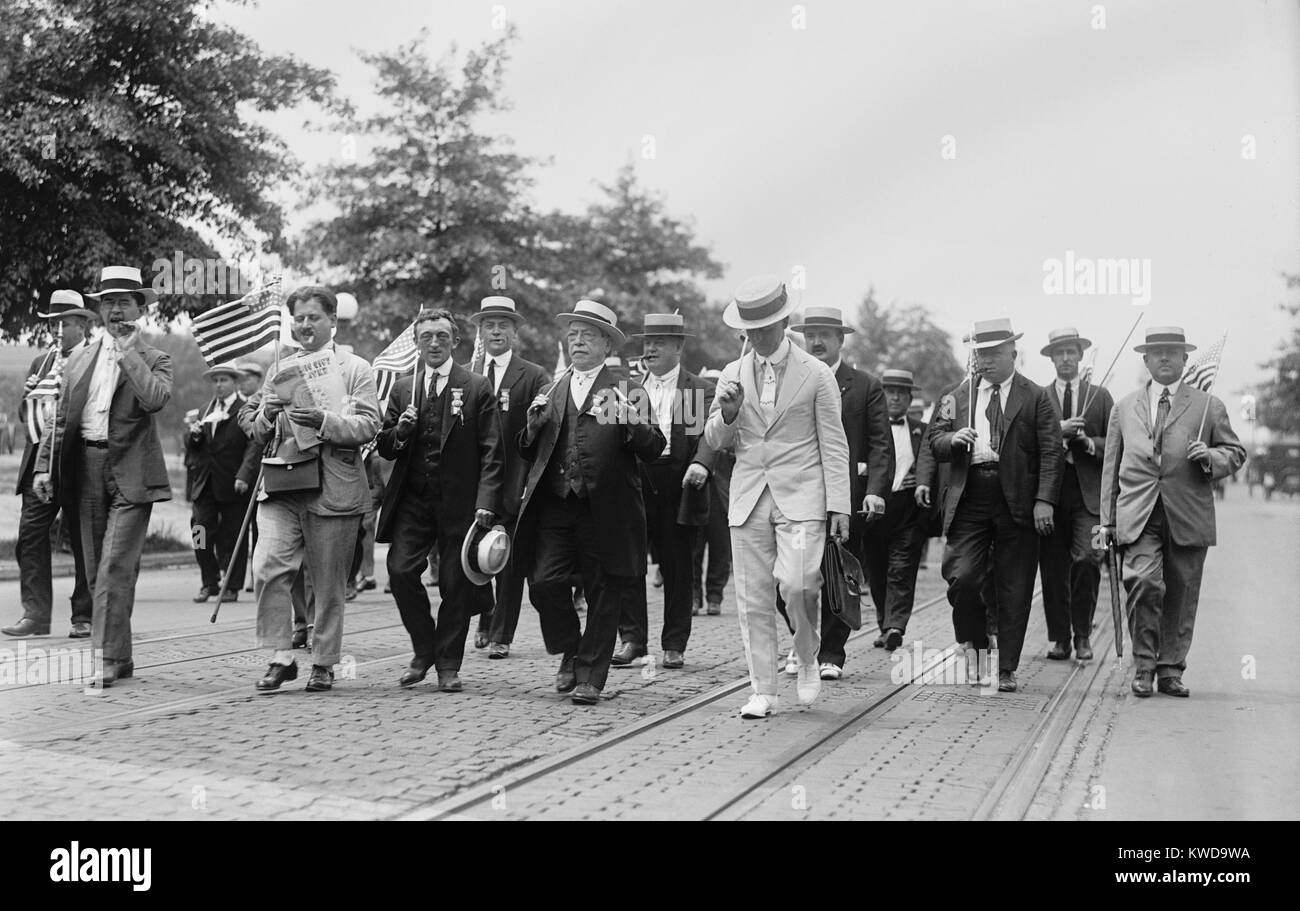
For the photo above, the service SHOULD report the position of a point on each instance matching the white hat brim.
(731, 316)
(484, 314)
(612, 331)
(149, 294)
(1001, 341)
(1083, 343)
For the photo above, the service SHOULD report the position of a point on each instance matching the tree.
(903, 337)
(129, 134)
(1278, 400)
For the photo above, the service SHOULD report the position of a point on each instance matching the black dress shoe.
(26, 627)
(627, 654)
(674, 659)
(1007, 682)
(481, 639)
(350, 592)
(498, 650)
(417, 671)
(879, 641)
(80, 630)
(1173, 686)
(321, 679)
(366, 583)
(1059, 651)
(565, 680)
(300, 638)
(586, 694)
(204, 594)
(1142, 685)
(1082, 648)
(449, 682)
(893, 639)
(277, 674)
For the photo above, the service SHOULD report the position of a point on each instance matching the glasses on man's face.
(426, 339)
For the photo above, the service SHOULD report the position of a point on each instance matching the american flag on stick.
(397, 360)
(1202, 372)
(240, 327)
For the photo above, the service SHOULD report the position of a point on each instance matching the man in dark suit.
(716, 534)
(1069, 565)
(893, 545)
(582, 508)
(32, 551)
(515, 382)
(443, 433)
(223, 465)
(673, 487)
(110, 460)
(866, 424)
(1006, 476)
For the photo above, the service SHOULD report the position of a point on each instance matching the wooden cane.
(239, 544)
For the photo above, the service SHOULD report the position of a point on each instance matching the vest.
(564, 474)
(422, 470)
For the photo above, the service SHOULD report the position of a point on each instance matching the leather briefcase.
(845, 583)
(302, 474)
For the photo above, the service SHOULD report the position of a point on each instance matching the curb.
(9, 571)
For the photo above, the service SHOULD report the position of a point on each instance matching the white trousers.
(768, 551)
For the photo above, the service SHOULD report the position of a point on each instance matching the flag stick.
(971, 380)
(1092, 393)
(239, 544)
(1206, 413)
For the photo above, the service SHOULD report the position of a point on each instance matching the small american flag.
(1201, 374)
(40, 404)
(397, 360)
(240, 327)
(479, 357)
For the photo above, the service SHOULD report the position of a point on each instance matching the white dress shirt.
(1076, 409)
(903, 457)
(662, 391)
(768, 372)
(502, 361)
(983, 452)
(441, 373)
(99, 397)
(580, 383)
(220, 411)
(1153, 399)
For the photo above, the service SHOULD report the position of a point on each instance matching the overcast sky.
(822, 147)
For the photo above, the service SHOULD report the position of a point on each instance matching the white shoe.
(760, 706)
(809, 686)
(831, 672)
(792, 663)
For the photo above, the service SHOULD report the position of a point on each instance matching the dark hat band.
(1166, 337)
(120, 284)
(823, 321)
(1001, 335)
(764, 310)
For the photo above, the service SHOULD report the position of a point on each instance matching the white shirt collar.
(777, 357)
(669, 378)
(1005, 385)
(835, 367)
(1172, 387)
(501, 360)
(588, 374)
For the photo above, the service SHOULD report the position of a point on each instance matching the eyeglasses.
(428, 338)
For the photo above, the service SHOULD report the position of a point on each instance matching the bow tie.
(898, 422)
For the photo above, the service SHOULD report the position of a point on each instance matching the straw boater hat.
(230, 370)
(114, 279)
(598, 315)
(496, 306)
(1067, 336)
(251, 367)
(990, 333)
(67, 303)
(672, 325)
(823, 318)
(758, 302)
(484, 552)
(901, 379)
(1164, 335)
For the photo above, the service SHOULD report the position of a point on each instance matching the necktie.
(492, 374)
(1162, 415)
(994, 414)
(1067, 403)
(768, 395)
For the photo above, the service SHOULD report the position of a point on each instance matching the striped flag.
(1201, 374)
(397, 360)
(560, 365)
(40, 404)
(240, 327)
(479, 357)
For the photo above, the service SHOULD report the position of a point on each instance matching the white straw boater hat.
(496, 306)
(115, 279)
(758, 302)
(672, 325)
(990, 333)
(1165, 335)
(1066, 336)
(484, 552)
(232, 370)
(823, 318)
(598, 315)
(67, 303)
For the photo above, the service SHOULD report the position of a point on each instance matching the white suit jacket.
(801, 454)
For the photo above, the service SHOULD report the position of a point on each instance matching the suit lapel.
(1144, 408)
(1182, 399)
(796, 373)
(1016, 397)
(456, 378)
(79, 382)
(1056, 399)
(746, 378)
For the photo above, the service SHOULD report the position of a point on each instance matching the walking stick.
(239, 544)
(1092, 392)
(1112, 557)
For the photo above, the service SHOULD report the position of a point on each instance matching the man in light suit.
(1005, 478)
(110, 460)
(1068, 563)
(1167, 443)
(780, 408)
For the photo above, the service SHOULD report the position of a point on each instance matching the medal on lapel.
(504, 398)
(457, 405)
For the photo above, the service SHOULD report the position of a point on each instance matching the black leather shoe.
(1173, 686)
(1142, 685)
(879, 641)
(674, 659)
(565, 680)
(1059, 651)
(123, 669)
(498, 650)
(481, 639)
(893, 639)
(80, 630)
(627, 654)
(714, 609)
(1007, 682)
(350, 592)
(414, 674)
(366, 584)
(449, 682)
(300, 638)
(26, 627)
(586, 694)
(1082, 648)
(204, 594)
(321, 679)
(277, 674)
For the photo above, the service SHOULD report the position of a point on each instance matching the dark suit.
(32, 550)
(450, 466)
(1069, 564)
(893, 544)
(217, 456)
(522, 382)
(116, 486)
(583, 512)
(672, 515)
(994, 506)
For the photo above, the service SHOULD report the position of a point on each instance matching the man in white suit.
(780, 408)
